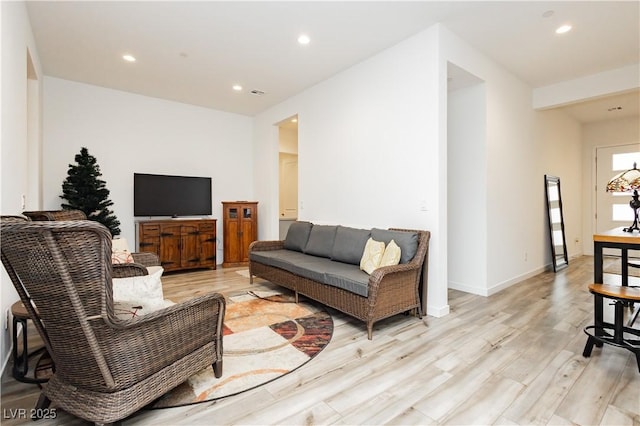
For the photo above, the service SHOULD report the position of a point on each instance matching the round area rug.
(266, 335)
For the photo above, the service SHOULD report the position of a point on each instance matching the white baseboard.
(438, 311)
(500, 286)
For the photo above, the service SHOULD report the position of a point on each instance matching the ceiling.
(194, 52)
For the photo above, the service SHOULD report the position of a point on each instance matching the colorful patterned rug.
(266, 335)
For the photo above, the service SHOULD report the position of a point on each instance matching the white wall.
(516, 161)
(17, 39)
(130, 133)
(368, 146)
(467, 191)
(604, 133)
(559, 142)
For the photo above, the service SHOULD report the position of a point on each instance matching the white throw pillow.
(391, 254)
(372, 255)
(139, 289)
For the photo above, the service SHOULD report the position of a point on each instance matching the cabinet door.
(207, 241)
(149, 239)
(232, 230)
(247, 233)
(190, 246)
(170, 246)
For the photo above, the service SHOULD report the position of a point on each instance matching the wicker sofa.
(322, 262)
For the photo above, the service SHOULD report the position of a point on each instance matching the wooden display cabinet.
(180, 243)
(240, 228)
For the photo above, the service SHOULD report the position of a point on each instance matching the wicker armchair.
(106, 368)
(141, 261)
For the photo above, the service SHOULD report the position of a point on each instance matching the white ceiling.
(193, 52)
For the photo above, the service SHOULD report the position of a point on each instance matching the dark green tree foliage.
(84, 191)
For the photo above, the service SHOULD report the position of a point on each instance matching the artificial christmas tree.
(84, 191)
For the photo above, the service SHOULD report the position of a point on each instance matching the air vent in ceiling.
(257, 92)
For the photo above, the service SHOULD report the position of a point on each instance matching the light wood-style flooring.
(512, 358)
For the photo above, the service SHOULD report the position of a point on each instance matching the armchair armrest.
(126, 270)
(162, 337)
(146, 258)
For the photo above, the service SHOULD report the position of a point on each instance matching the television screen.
(163, 195)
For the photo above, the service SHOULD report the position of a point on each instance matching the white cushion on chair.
(142, 288)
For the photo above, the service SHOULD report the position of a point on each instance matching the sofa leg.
(296, 296)
(250, 278)
(370, 330)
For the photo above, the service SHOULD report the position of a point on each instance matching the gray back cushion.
(349, 244)
(297, 236)
(321, 240)
(407, 241)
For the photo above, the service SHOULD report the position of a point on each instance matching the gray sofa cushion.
(407, 241)
(321, 240)
(297, 236)
(278, 258)
(349, 244)
(326, 271)
(305, 265)
(347, 277)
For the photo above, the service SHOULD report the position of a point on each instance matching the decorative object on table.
(628, 181)
(266, 335)
(84, 191)
(559, 257)
(106, 368)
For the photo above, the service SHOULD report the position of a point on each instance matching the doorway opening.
(288, 173)
(466, 209)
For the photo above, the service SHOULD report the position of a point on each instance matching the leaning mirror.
(556, 222)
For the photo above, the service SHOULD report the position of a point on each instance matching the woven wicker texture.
(105, 368)
(140, 260)
(56, 215)
(392, 289)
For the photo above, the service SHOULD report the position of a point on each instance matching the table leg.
(598, 275)
(624, 268)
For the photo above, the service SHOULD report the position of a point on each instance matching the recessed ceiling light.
(548, 14)
(129, 58)
(563, 29)
(304, 39)
(294, 120)
(237, 87)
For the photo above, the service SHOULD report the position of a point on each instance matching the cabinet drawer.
(207, 227)
(151, 230)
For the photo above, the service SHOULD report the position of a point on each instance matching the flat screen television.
(164, 195)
